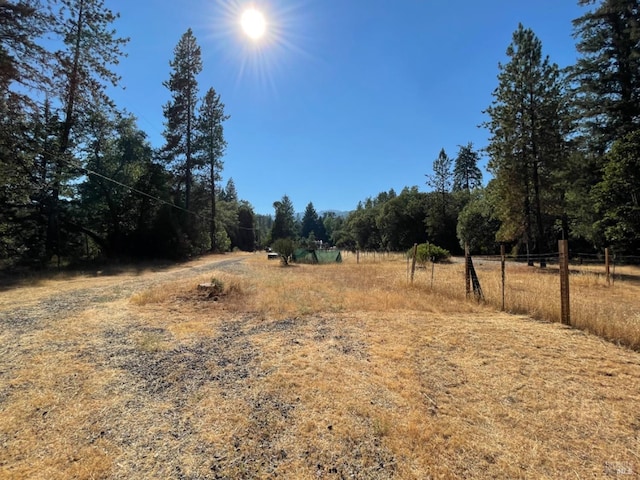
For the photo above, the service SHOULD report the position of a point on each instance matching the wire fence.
(596, 293)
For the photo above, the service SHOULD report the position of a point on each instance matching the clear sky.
(341, 99)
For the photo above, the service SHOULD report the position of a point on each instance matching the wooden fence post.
(467, 273)
(413, 263)
(357, 257)
(433, 270)
(606, 265)
(563, 260)
(502, 260)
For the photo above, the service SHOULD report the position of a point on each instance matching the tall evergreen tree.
(617, 196)
(230, 194)
(442, 179)
(440, 223)
(466, 174)
(180, 111)
(311, 223)
(606, 81)
(23, 61)
(82, 72)
(607, 73)
(210, 146)
(527, 141)
(284, 221)
(246, 240)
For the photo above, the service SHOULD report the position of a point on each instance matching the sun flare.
(253, 23)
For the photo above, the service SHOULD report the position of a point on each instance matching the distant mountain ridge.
(337, 213)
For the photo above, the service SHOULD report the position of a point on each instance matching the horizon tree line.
(79, 179)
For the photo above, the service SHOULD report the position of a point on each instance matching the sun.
(253, 23)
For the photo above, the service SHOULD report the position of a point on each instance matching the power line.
(157, 199)
(133, 189)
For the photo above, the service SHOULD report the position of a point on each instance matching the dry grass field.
(307, 372)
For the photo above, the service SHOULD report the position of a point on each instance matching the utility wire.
(133, 189)
(157, 199)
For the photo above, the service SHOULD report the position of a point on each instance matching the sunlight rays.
(258, 40)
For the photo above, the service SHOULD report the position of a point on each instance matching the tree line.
(563, 152)
(80, 180)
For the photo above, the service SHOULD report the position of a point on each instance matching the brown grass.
(611, 311)
(338, 371)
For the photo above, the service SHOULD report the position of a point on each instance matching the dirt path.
(35, 306)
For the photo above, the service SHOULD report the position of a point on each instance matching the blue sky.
(341, 99)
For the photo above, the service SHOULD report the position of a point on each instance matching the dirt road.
(51, 300)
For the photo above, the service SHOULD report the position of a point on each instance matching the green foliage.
(442, 178)
(209, 147)
(223, 242)
(284, 223)
(428, 252)
(607, 73)
(229, 194)
(114, 215)
(477, 225)
(285, 247)
(246, 237)
(22, 61)
(363, 227)
(400, 220)
(263, 225)
(311, 223)
(527, 145)
(617, 196)
(466, 174)
(180, 113)
(72, 168)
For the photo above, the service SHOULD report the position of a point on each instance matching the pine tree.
(180, 111)
(230, 193)
(246, 228)
(311, 223)
(24, 75)
(607, 74)
(209, 146)
(441, 179)
(466, 174)
(606, 80)
(23, 61)
(526, 141)
(82, 72)
(617, 196)
(284, 222)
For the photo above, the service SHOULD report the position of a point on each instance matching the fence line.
(581, 291)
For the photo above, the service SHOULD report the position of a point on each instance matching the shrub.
(430, 252)
(285, 247)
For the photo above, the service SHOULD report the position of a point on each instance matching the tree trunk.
(53, 221)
